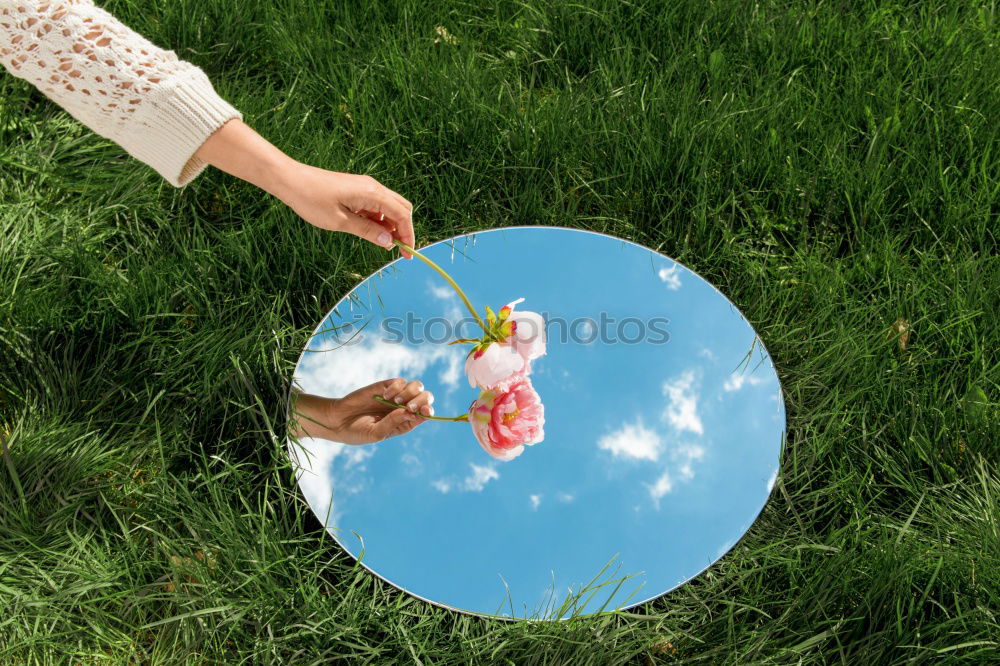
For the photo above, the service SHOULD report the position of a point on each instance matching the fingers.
(387, 208)
(392, 387)
(396, 422)
(422, 403)
(364, 228)
(404, 229)
(402, 232)
(411, 394)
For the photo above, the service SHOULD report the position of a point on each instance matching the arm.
(165, 112)
(159, 108)
(359, 205)
(356, 418)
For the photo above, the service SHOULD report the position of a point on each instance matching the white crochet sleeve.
(159, 108)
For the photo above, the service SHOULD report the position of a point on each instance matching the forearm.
(240, 151)
(311, 413)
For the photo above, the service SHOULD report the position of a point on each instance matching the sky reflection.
(662, 441)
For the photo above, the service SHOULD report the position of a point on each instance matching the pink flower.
(527, 331)
(523, 340)
(508, 417)
(499, 361)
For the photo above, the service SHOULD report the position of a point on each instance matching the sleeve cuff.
(174, 121)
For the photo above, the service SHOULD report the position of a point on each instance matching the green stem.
(447, 277)
(449, 419)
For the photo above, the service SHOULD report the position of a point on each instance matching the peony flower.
(508, 414)
(508, 417)
(527, 331)
(496, 363)
(521, 340)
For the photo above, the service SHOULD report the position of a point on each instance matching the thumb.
(396, 422)
(373, 232)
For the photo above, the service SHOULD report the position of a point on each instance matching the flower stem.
(450, 419)
(447, 277)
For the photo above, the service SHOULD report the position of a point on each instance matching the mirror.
(662, 427)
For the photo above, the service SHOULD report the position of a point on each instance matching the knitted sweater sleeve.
(160, 109)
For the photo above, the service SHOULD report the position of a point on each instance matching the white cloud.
(688, 452)
(451, 375)
(682, 405)
(355, 455)
(683, 456)
(736, 381)
(565, 497)
(636, 441)
(314, 460)
(535, 501)
(481, 474)
(412, 464)
(632, 440)
(476, 481)
(705, 352)
(440, 291)
(337, 372)
(670, 277)
(661, 487)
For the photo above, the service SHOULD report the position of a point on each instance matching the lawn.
(832, 167)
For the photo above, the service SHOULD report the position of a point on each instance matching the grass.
(832, 167)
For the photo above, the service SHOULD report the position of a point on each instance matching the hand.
(359, 419)
(359, 205)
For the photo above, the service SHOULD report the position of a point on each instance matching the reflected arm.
(310, 416)
(357, 418)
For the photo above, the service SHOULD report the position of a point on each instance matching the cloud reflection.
(332, 374)
(682, 406)
(670, 277)
(632, 440)
(475, 482)
(320, 474)
(737, 380)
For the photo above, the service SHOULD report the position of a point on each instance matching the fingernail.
(385, 239)
(412, 406)
(398, 399)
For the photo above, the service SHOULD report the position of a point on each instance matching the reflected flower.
(494, 364)
(508, 417)
(513, 340)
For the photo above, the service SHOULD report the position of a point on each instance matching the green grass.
(833, 167)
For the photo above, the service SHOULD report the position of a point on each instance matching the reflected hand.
(357, 204)
(357, 419)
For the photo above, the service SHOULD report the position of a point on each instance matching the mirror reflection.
(629, 432)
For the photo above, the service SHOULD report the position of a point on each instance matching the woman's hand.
(359, 419)
(358, 205)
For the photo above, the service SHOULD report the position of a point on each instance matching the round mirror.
(633, 445)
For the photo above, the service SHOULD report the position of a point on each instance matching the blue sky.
(659, 454)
